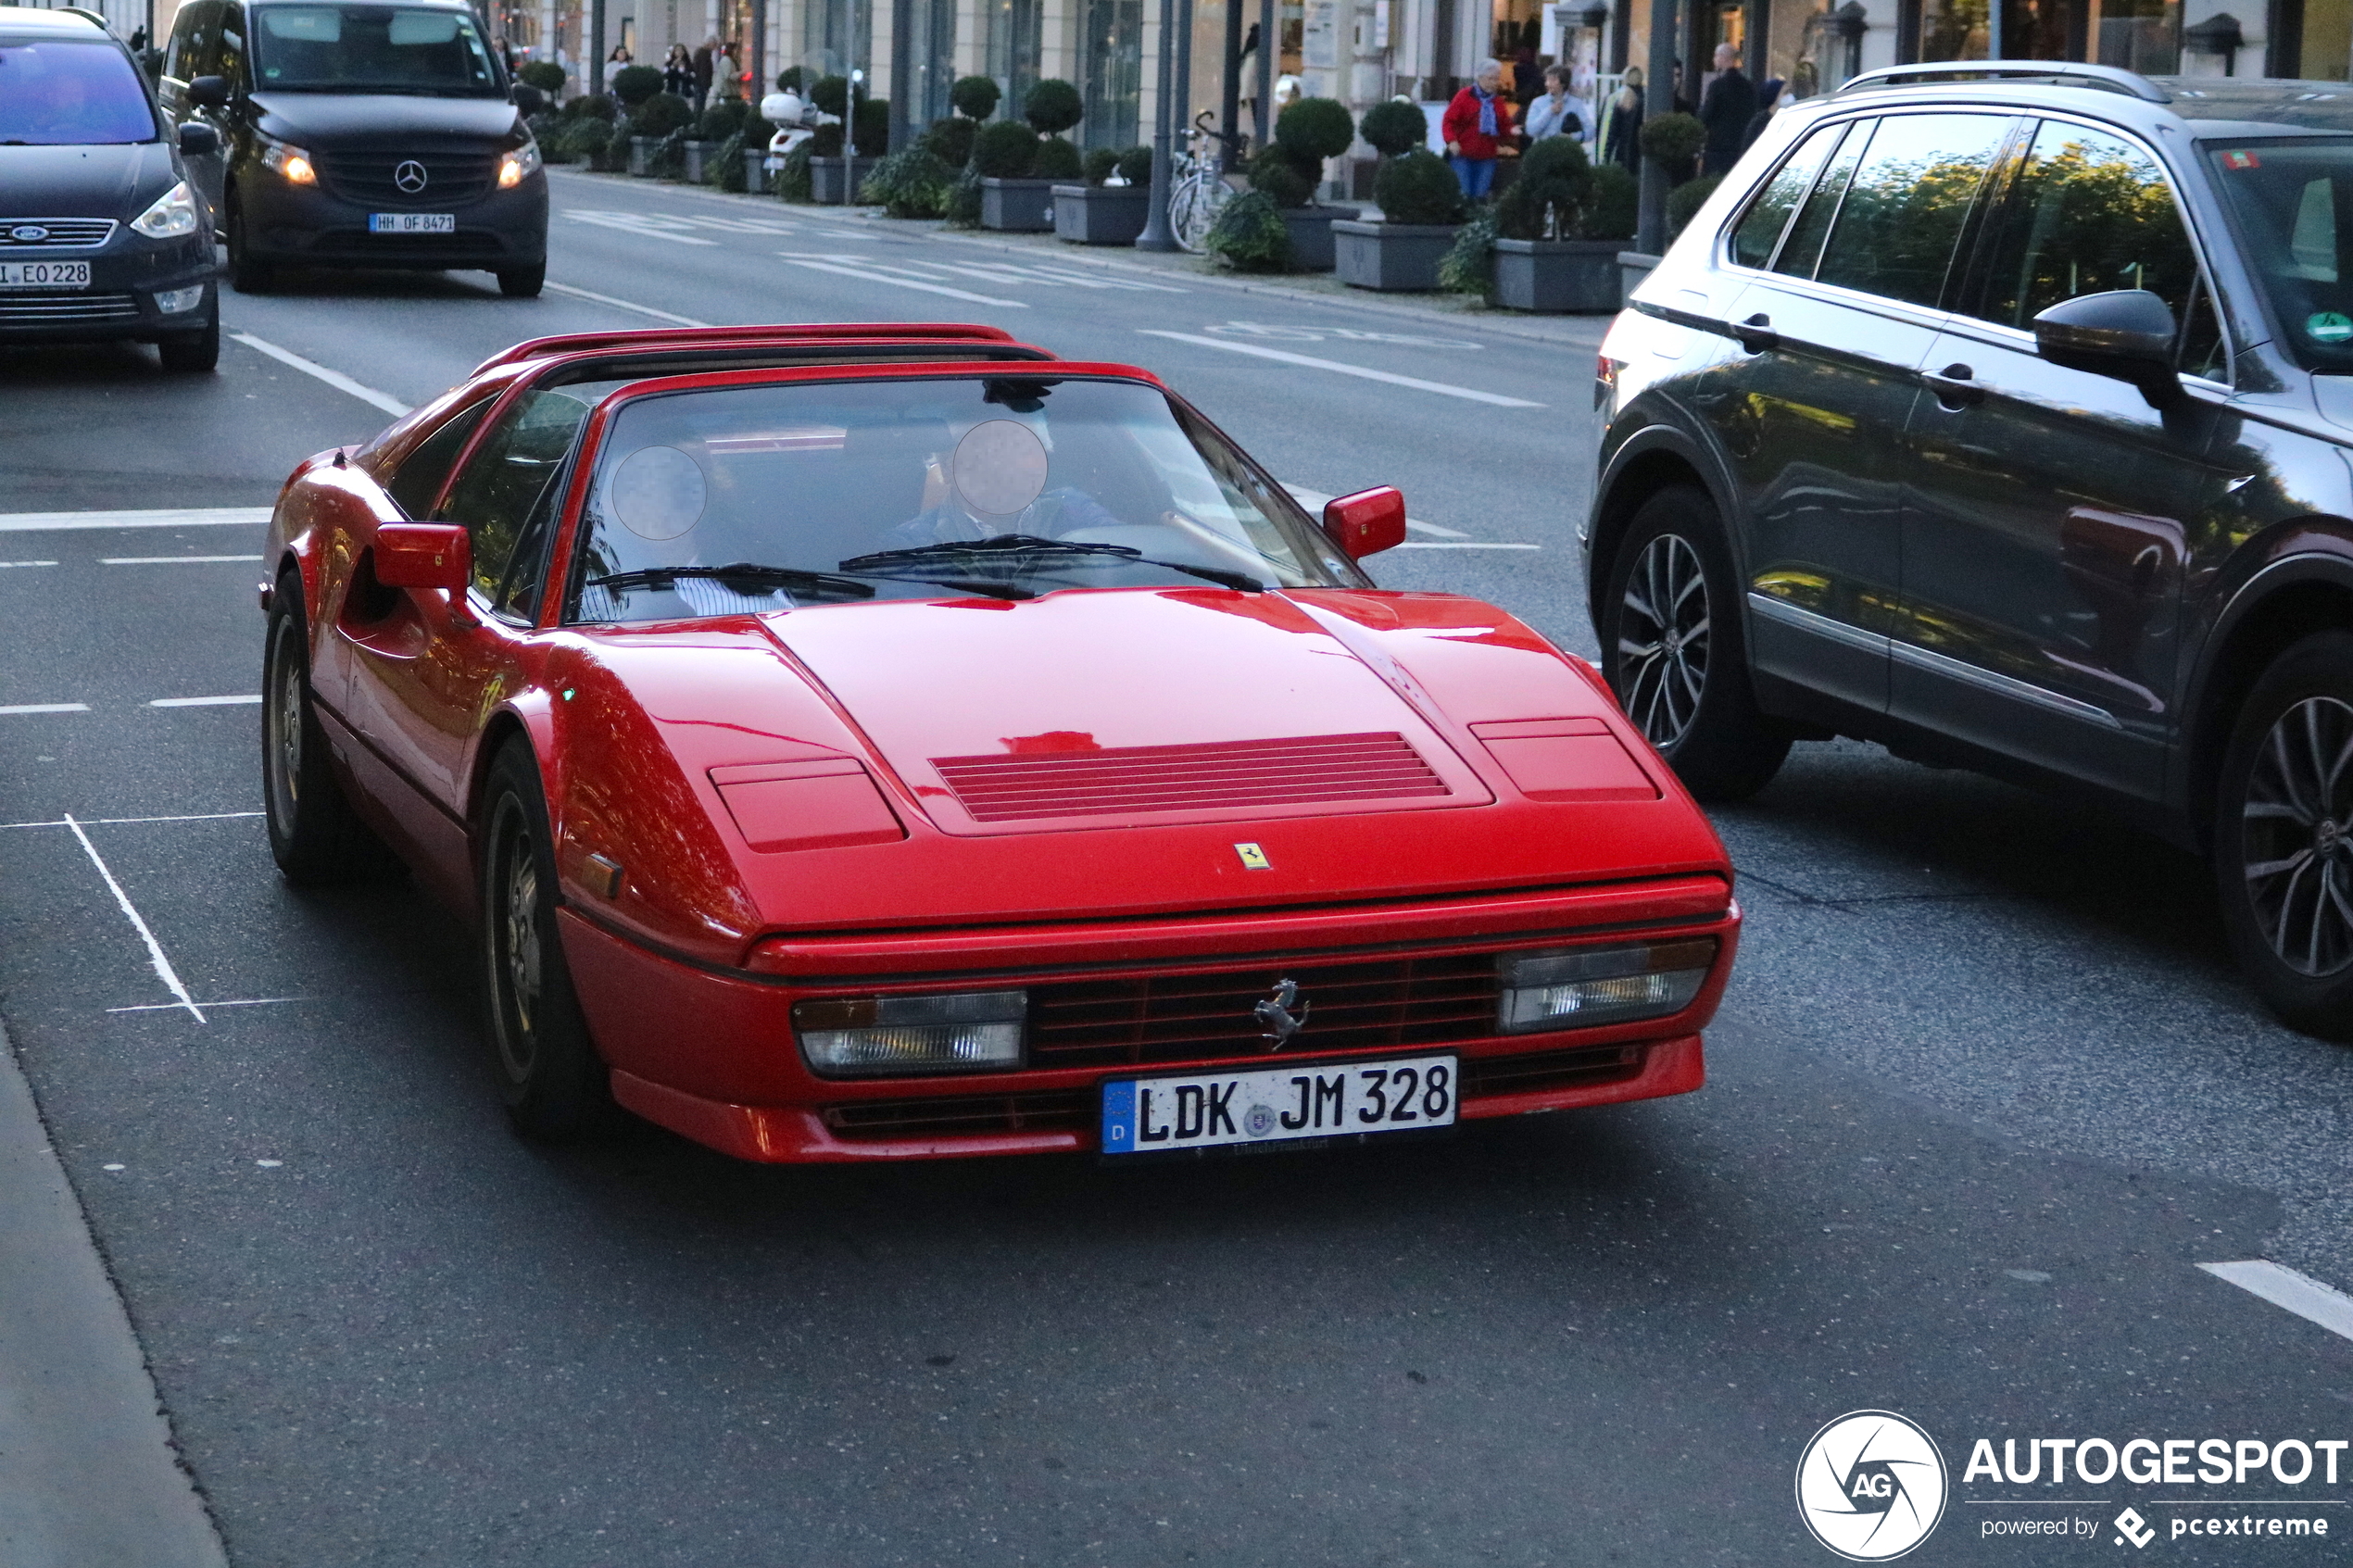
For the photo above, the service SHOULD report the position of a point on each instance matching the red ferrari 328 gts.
(865, 742)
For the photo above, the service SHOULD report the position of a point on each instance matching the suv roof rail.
(2067, 73)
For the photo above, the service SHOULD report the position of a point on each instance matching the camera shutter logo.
(411, 176)
(1871, 1485)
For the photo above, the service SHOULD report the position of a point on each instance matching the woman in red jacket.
(1479, 117)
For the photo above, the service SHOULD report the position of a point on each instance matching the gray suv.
(2003, 414)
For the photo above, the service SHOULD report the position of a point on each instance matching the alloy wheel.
(2297, 849)
(517, 962)
(283, 744)
(1663, 640)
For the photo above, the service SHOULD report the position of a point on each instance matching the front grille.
(1060, 1111)
(451, 179)
(1171, 778)
(38, 310)
(79, 233)
(1165, 1018)
(1489, 1075)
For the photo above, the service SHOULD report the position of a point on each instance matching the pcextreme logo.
(1871, 1485)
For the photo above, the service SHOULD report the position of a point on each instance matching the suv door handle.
(1954, 386)
(1757, 334)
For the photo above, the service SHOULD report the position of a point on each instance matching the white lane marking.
(1286, 334)
(2283, 1287)
(336, 379)
(1461, 545)
(733, 225)
(1445, 389)
(1314, 500)
(47, 707)
(1011, 272)
(119, 821)
(873, 275)
(204, 701)
(632, 223)
(627, 304)
(168, 561)
(250, 1002)
(170, 976)
(170, 517)
(5, 564)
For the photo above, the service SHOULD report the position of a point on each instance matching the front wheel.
(194, 353)
(314, 835)
(1673, 650)
(522, 283)
(248, 272)
(2284, 836)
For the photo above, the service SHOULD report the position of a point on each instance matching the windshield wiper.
(1030, 545)
(740, 571)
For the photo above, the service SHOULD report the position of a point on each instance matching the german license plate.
(412, 223)
(1277, 1104)
(44, 274)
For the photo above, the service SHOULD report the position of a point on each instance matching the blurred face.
(1725, 57)
(1490, 79)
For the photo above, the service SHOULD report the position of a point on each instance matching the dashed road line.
(2290, 1291)
(169, 560)
(632, 223)
(162, 965)
(5, 565)
(122, 821)
(167, 517)
(336, 379)
(1446, 389)
(874, 272)
(204, 701)
(1461, 545)
(47, 707)
(675, 319)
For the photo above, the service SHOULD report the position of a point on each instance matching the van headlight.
(1574, 987)
(518, 166)
(889, 1036)
(290, 163)
(173, 214)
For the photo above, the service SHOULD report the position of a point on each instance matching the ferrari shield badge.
(1253, 858)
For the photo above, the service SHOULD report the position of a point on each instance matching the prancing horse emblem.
(1276, 1015)
(410, 176)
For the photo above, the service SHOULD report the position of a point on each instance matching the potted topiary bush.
(1421, 202)
(832, 182)
(912, 182)
(1251, 235)
(719, 123)
(1110, 208)
(1288, 172)
(1023, 202)
(653, 122)
(1548, 254)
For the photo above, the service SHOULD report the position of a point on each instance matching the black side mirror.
(528, 100)
(2126, 334)
(208, 92)
(198, 139)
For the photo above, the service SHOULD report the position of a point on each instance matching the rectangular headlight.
(1572, 987)
(886, 1036)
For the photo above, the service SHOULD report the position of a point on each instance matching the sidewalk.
(1584, 333)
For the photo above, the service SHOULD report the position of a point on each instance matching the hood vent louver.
(1219, 776)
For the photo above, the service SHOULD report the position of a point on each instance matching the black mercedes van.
(101, 235)
(374, 134)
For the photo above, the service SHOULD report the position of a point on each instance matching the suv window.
(2292, 204)
(1804, 247)
(2089, 211)
(1760, 227)
(186, 61)
(1905, 209)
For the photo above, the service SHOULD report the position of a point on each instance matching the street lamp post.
(1650, 233)
(1156, 234)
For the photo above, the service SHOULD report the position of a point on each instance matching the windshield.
(846, 491)
(68, 93)
(2294, 204)
(371, 49)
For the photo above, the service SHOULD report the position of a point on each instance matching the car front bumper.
(311, 226)
(125, 277)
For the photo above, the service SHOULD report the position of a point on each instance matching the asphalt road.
(1984, 1093)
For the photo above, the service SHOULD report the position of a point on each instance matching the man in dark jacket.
(1726, 110)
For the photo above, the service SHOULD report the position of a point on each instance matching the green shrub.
(1394, 128)
(1250, 234)
(1136, 165)
(724, 169)
(1101, 164)
(1417, 188)
(950, 139)
(1683, 202)
(1469, 267)
(1053, 106)
(824, 141)
(975, 97)
(788, 79)
(1056, 159)
(1673, 139)
(545, 128)
(545, 75)
(1279, 177)
(1003, 149)
(668, 158)
(722, 119)
(874, 126)
(583, 138)
(827, 93)
(792, 182)
(964, 200)
(1315, 129)
(633, 84)
(660, 115)
(1616, 206)
(592, 106)
(1548, 200)
(910, 183)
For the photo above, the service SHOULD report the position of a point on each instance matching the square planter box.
(1634, 266)
(1100, 215)
(1311, 235)
(756, 170)
(696, 152)
(1393, 257)
(1017, 206)
(1557, 276)
(826, 181)
(641, 156)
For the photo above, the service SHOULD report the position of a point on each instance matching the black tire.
(193, 353)
(2284, 836)
(522, 283)
(554, 1085)
(315, 836)
(248, 272)
(1680, 667)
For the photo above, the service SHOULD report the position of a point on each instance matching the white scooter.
(796, 120)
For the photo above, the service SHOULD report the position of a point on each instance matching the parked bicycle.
(1198, 188)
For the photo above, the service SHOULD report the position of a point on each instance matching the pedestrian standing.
(728, 77)
(614, 65)
(1473, 126)
(1725, 108)
(701, 65)
(1557, 111)
(678, 73)
(1622, 124)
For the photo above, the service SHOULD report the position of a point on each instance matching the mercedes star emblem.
(410, 176)
(1276, 1015)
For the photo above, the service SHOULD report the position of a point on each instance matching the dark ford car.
(101, 235)
(360, 135)
(2008, 422)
